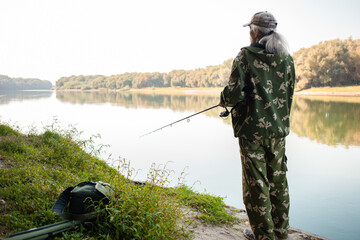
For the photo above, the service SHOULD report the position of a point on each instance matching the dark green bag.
(78, 203)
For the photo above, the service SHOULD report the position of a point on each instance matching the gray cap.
(263, 19)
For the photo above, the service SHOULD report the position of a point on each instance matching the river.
(323, 148)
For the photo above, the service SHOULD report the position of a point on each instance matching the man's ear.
(257, 34)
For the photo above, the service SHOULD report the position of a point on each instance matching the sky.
(50, 39)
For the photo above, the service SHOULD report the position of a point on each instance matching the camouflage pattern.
(265, 187)
(260, 92)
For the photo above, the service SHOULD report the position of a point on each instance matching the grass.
(211, 207)
(36, 167)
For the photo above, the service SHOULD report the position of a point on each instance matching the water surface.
(323, 147)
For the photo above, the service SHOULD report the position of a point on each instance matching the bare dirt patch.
(202, 231)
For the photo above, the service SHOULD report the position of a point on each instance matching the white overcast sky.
(49, 39)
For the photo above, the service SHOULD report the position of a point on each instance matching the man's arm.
(233, 92)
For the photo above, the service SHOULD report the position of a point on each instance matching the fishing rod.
(223, 114)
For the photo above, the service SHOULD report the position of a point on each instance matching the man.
(260, 91)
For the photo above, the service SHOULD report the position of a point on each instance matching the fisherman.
(260, 91)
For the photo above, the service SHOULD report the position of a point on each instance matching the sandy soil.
(203, 231)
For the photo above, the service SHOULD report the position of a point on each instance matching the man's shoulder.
(253, 52)
(256, 48)
(247, 52)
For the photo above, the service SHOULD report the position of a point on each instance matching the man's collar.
(258, 45)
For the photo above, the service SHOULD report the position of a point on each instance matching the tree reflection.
(176, 102)
(8, 96)
(327, 120)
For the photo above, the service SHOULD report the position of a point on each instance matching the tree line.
(329, 63)
(211, 76)
(8, 83)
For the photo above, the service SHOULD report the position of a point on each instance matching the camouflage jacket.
(260, 91)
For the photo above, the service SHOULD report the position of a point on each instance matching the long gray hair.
(274, 42)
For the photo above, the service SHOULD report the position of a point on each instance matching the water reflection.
(8, 96)
(175, 102)
(327, 120)
(207, 150)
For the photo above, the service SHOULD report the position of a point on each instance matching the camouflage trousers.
(265, 187)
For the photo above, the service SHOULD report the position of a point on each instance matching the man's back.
(270, 83)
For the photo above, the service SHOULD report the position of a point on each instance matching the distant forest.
(329, 63)
(8, 83)
(211, 76)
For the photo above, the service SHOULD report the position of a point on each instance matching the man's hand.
(224, 113)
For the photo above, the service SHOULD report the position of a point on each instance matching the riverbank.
(179, 90)
(203, 231)
(36, 167)
(335, 91)
(158, 91)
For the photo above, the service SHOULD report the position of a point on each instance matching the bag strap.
(80, 217)
(62, 201)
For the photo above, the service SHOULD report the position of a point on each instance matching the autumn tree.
(330, 63)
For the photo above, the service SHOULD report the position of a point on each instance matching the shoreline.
(350, 94)
(42, 169)
(203, 231)
(217, 90)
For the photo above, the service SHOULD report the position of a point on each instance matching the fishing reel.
(225, 113)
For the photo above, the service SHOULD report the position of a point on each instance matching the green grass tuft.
(212, 207)
(36, 168)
